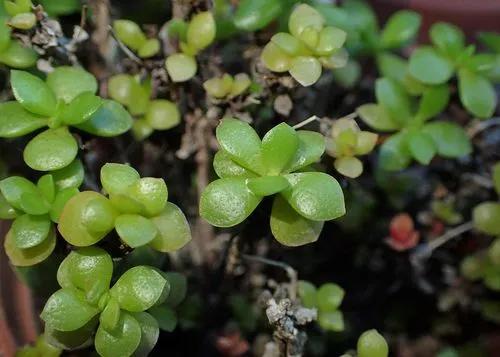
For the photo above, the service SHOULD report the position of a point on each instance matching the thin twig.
(124, 48)
(305, 122)
(290, 271)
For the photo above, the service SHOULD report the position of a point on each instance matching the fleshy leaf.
(173, 229)
(303, 17)
(111, 119)
(135, 230)
(450, 139)
(372, 344)
(434, 100)
(311, 148)
(29, 231)
(6, 210)
(116, 178)
(225, 167)
(275, 58)
(392, 66)
(181, 67)
(50, 150)
(47, 187)
(29, 256)
(150, 332)
(71, 339)
(279, 146)
(486, 218)
(315, 195)
(307, 293)
(162, 114)
(394, 154)
(165, 316)
(67, 310)
(477, 94)
(349, 166)
(253, 15)
(201, 30)
(16, 121)
(430, 67)
(401, 27)
(18, 56)
(32, 93)
(332, 321)
(68, 82)
(447, 38)
(267, 185)
(421, 147)
(70, 176)
(227, 202)
(178, 288)
(139, 288)
(62, 197)
(110, 315)
(240, 141)
(122, 341)
(305, 69)
(14, 187)
(81, 108)
(150, 192)
(290, 228)
(330, 297)
(394, 100)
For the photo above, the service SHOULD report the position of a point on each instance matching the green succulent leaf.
(394, 99)
(129, 33)
(240, 141)
(372, 344)
(86, 218)
(330, 297)
(400, 28)
(290, 228)
(111, 119)
(47, 187)
(450, 139)
(477, 94)
(349, 166)
(227, 202)
(308, 294)
(448, 38)
(253, 15)
(225, 167)
(421, 146)
(275, 58)
(331, 321)
(135, 230)
(81, 108)
(88, 269)
(429, 66)
(70, 340)
(173, 229)
(122, 341)
(486, 218)
(181, 67)
(18, 56)
(151, 192)
(34, 203)
(201, 30)
(311, 148)
(29, 231)
(377, 117)
(62, 197)
(165, 316)
(303, 17)
(110, 315)
(267, 185)
(32, 93)
(14, 187)
(178, 288)
(139, 288)
(29, 256)
(16, 121)
(69, 82)
(50, 150)
(117, 178)
(162, 114)
(434, 100)
(70, 176)
(150, 332)
(394, 154)
(150, 48)
(392, 66)
(67, 310)
(279, 146)
(315, 195)
(305, 69)
(6, 210)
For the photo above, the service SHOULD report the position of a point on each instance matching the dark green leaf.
(421, 147)
(401, 27)
(279, 146)
(394, 100)
(477, 94)
(111, 119)
(253, 15)
(434, 100)
(450, 139)
(394, 153)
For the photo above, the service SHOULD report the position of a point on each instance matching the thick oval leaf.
(70, 340)
(126, 204)
(13, 188)
(138, 288)
(290, 228)
(165, 316)
(394, 154)
(81, 108)
(267, 185)
(303, 17)
(111, 119)
(69, 82)
(315, 195)
(201, 30)
(450, 139)
(477, 94)
(227, 202)
(162, 114)
(50, 150)
(135, 230)
(116, 178)
(70, 176)
(394, 100)
(308, 294)
(110, 315)
(47, 187)
(178, 288)
(434, 100)
(120, 88)
(29, 231)
(6, 210)
(305, 69)
(253, 15)
(311, 148)
(88, 269)
(181, 67)
(173, 229)
(275, 58)
(401, 27)
(240, 141)
(151, 192)
(330, 39)
(428, 66)
(330, 297)
(122, 341)
(372, 344)
(279, 146)
(421, 147)
(86, 219)
(34, 203)
(377, 117)
(29, 256)
(62, 197)
(67, 310)
(32, 93)
(150, 332)
(225, 167)
(16, 121)
(447, 38)
(332, 321)
(392, 66)
(486, 218)
(129, 33)
(150, 48)
(18, 56)
(349, 166)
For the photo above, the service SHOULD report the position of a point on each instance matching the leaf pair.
(12, 53)
(65, 99)
(416, 138)
(326, 300)
(158, 114)
(250, 169)
(32, 236)
(86, 304)
(227, 86)
(137, 208)
(193, 37)
(309, 46)
(435, 65)
(133, 37)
